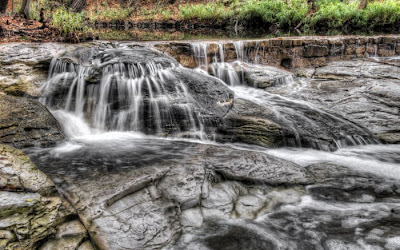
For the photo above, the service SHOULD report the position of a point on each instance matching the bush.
(380, 14)
(106, 13)
(335, 14)
(284, 13)
(210, 11)
(68, 22)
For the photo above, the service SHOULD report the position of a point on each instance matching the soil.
(17, 29)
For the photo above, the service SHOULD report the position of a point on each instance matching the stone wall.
(291, 52)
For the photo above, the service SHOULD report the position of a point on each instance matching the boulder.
(31, 210)
(25, 122)
(364, 92)
(24, 66)
(133, 207)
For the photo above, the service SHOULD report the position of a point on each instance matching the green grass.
(209, 11)
(106, 13)
(68, 22)
(335, 14)
(381, 13)
(283, 13)
(288, 14)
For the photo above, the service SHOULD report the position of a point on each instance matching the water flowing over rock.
(24, 66)
(270, 120)
(178, 195)
(365, 92)
(132, 88)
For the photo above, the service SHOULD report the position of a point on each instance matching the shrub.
(284, 13)
(68, 22)
(380, 13)
(106, 13)
(209, 11)
(335, 14)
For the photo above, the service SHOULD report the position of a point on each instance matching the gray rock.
(25, 122)
(250, 123)
(24, 66)
(366, 93)
(31, 210)
(149, 207)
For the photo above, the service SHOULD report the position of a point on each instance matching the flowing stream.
(126, 108)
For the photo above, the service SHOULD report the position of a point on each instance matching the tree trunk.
(363, 4)
(77, 5)
(25, 8)
(3, 6)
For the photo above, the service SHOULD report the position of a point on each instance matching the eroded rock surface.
(133, 206)
(24, 66)
(31, 210)
(179, 195)
(365, 92)
(25, 122)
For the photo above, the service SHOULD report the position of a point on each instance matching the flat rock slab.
(25, 122)
(364, 92)
(135, 207)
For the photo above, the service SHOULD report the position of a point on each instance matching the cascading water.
(124, 89)
(139, 191)
(302, 119)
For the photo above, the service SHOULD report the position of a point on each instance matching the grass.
(283, 14)
(105, 13)
(208, 11)
(335, 14)
(280, 12)
(288, 14)
(68, 22)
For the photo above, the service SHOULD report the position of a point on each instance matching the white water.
(126, 97)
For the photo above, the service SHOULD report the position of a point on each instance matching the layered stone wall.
(290, 52)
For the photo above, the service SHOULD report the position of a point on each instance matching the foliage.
(335, 14)
(284, 13)
(380, 13)
(209, 11)
(68, 22)
(106, 13)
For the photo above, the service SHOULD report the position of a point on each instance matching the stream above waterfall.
(233, 154)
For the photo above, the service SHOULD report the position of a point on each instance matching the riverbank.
(265, 17)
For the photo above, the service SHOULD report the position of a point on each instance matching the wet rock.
(17, 172)
(30, 207)
(366, 93)
(250, 123)
(24, 66)
(70, 235)
(25, 122)
(316, 51)
(149, 207)
(338, 183)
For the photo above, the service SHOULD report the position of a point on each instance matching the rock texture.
(290, 52)
(25, 122)
(364, 92)
(24, 66)
(31, 210)
(200, 196)
(132, 207)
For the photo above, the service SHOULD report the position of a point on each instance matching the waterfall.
(230, 72)
(117, 95)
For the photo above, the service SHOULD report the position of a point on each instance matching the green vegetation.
(68, 22)
(209, 11)
(280, 12)
(288, 14)
(105, 13)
